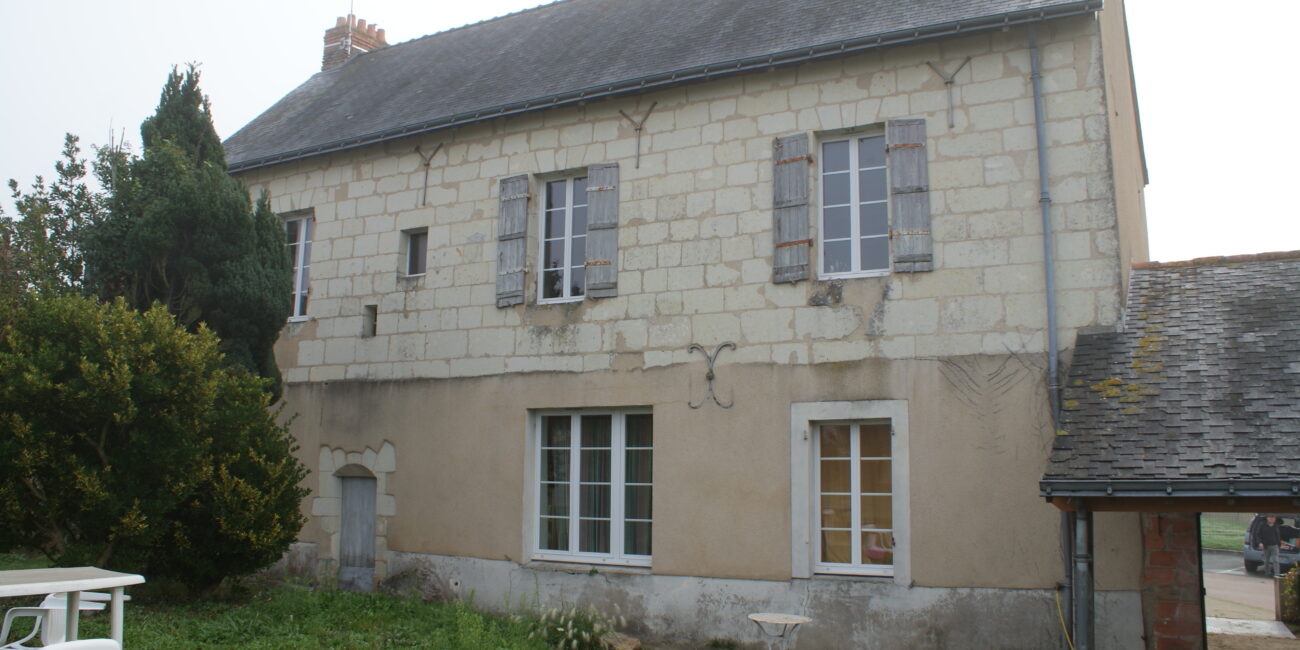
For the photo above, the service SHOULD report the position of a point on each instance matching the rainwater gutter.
(1069, 522)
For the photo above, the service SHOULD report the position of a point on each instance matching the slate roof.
(1197, 394)
(575, 50)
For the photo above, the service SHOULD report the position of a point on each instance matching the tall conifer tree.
(181, 231)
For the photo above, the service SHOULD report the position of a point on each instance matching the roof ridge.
(1220, 259)
(475, 24)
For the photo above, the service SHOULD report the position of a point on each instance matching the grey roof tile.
(1201, 381)
(572, 47)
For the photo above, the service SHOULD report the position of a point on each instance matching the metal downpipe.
(1083, 587)
(1049, 271)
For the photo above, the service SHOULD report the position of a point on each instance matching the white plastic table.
(73, 581)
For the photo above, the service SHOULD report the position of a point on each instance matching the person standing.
(1268, 538)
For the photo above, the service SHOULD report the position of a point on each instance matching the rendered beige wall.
(1126, 145)
(978, 431)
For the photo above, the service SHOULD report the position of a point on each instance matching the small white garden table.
(73, 581)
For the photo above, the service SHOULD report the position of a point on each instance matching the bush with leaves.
(126, 443)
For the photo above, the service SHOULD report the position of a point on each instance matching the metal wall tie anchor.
(709, 376)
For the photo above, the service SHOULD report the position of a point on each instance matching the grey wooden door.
(357, 543)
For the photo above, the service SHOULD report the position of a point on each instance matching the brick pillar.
(349, 37)
(1171, 584)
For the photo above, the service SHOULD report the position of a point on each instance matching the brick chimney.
(349, 37)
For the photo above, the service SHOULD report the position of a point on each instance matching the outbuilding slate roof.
(575, 50)
(1197, 394)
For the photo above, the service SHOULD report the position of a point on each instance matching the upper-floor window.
(415, 251)
(298, 240)
(594, 487)
(854, 225)
(564, 239)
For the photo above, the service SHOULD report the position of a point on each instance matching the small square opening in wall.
(370, 320)
(415, 251)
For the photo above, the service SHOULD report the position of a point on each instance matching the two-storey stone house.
(709, 308)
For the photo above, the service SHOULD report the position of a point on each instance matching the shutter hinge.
(598, 263)
(601, 188)
(794, 243)
(511, 235)
(905, 145)
(903, 233)
(808, 157)
(512, 197)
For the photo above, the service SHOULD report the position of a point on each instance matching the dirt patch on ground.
(1239, 642)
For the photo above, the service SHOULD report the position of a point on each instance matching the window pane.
(555, 465)
(555, 194)
(878, 547)
(580, 220)
(835, 189)
(637, 502)
(640, 433)
(837, 546)
(580, 191)
(553, 284)
(877, 512)
(577, 281)
(836, 223)
(636, 538)
(835, 476)
(875, 476)
(555, 499)
(291, 231)
(416, 249)
(640, 465)
(595, 466)
(306, 231)
(835, 156)
(594, 536)
(871, 185)
(836, 511)
(835, 440)
(554, 534)
(554, 254)
(873, 218)
(555, 431)
(836, 257)
(871, 151)
(578, 252)
(875, 253)
(595, 431)
(593, 501)
(554, 224)
(875, 441)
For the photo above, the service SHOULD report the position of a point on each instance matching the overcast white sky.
(1203, 68)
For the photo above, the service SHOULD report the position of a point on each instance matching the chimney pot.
(361, 25)
(380, 36)
(348, 37)
(341, 22)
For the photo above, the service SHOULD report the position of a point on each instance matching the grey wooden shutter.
(602, 230)
(909, 196)
(790, 208)
(512, 235)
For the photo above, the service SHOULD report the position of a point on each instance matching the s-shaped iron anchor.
(708, 376)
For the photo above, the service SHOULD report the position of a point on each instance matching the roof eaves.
(698, 73)
(1183, 488)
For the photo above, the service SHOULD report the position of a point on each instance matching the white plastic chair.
(50, 617)
(85, 644)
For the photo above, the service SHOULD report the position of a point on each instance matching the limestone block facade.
(950, 360)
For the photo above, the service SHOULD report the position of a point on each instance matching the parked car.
(1288, 555)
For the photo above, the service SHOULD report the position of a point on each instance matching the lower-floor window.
(594, 486)
(855, 501)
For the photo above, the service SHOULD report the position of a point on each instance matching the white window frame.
(409, 237)
(301, 264)
(804, 419)
(567, 295)
(856, 269)
(533, 476)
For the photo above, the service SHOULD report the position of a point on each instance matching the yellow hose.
(1061, 615)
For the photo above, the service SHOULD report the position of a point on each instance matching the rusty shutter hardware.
(909, 196)
(790, 230)
(512, 231)
(602, 231)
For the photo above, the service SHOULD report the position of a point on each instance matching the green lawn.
(1223, 531)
